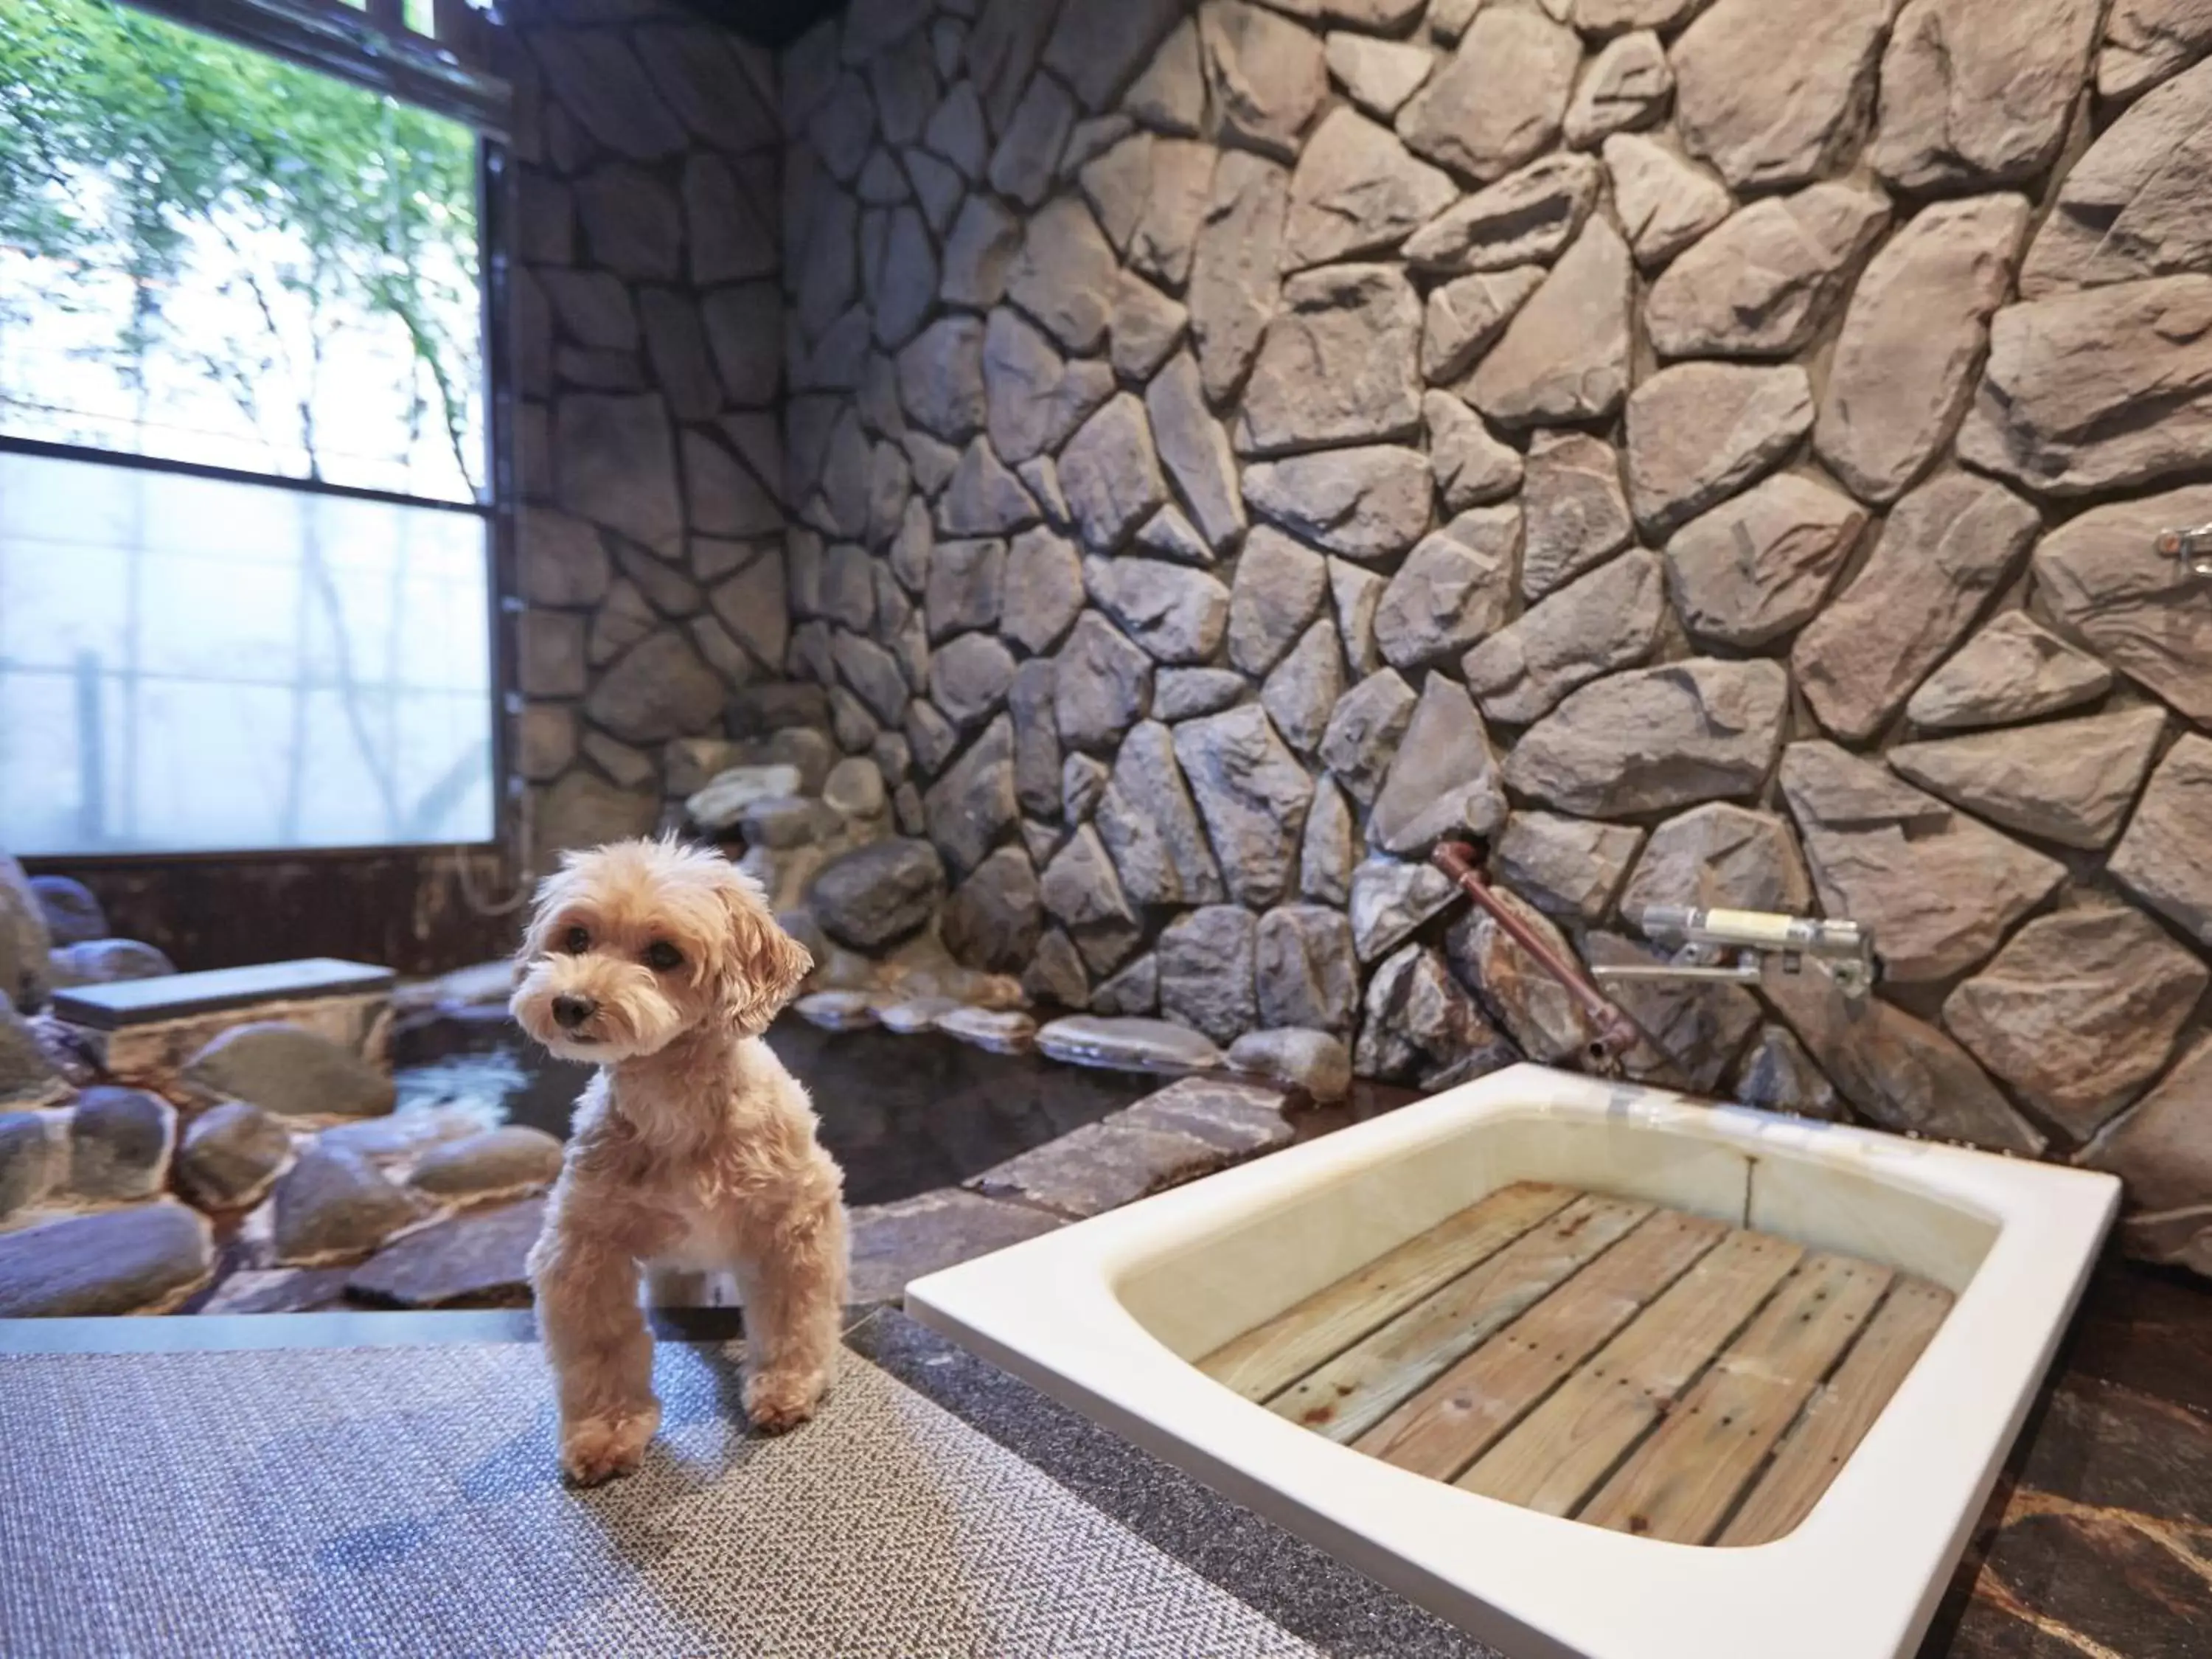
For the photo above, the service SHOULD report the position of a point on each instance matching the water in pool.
(904, 1115)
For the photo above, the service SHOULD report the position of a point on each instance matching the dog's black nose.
(572, 1011)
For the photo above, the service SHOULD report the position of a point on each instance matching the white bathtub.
(1106, 1316)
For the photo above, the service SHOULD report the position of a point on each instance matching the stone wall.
(645, 328)
(1711, 451)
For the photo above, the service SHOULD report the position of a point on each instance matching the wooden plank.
(1681, 1482)
(1840, 1413)
(1563, 1449)
(1270, 1357)
(1453, 1421)
(1357, 1388)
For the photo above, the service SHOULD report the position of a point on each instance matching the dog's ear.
(763, 965)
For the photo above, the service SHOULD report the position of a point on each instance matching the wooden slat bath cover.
(1602, 1358)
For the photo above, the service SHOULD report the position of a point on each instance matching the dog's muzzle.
(570, 1011)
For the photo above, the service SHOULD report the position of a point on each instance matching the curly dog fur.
(693, 1148)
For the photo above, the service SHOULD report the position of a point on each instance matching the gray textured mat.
(404, 1501)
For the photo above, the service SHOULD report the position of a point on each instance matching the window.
(245, 507)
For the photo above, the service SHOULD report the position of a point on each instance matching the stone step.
(185, 996)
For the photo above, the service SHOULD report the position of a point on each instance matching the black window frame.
(372, 48)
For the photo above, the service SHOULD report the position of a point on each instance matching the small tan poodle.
(693, 1148)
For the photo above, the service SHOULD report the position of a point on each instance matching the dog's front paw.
(597, 1448)
(779, 1401)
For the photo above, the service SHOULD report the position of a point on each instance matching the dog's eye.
(577, 940)
(661, 957)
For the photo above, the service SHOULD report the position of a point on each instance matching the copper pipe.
(1616, 1032)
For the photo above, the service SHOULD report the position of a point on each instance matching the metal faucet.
(2193, 547)
(1729, 945)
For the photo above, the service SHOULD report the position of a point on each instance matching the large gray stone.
(1043, 589)
(1278, 590)
(1308, 974)
(1720, 856)
(1179, 187)
(1325, 856)
(2163, 1148)
(1081, 890)
(1178, 615)
(1111, 474)
(1539, 1013)
(1356, 191)
(1338, 364)
(1269, 78)
(1979, 91)
(1032, 700)
(1564, 357)
(875, 674)
(615, 465)
(1253, 795)
(1104, 684)
(1500, 98)
(965, 587)
(1938, 890)
(1098, 45)
(2146, 41)
(145, 1258)
(1775, 92)
(1369, 502)
(1145, 327)
(1947, 546)
(477, 1259)
(876, 894)
(1665, 203)
(334, 1205)
(1378, 76)
(1007, 37)
(1650, 738)
(940, 378)
(119, 1141)
(1135, 1045)
(1035, 398)
(1693, 1031)
(1699, 432)
(984, 497)
(106, 961)
(71, 911)
(1577, 515)
(2094, 390)
(972, 803)
(1391, 897)
(1314, 1061)
(1420, 1026)
(1180, 693)
(1762, 282)
(1169, 95)
(1206, 968)
(1195, 450)
(1444, 779)
(502, 1163)
(1627, 84)
(2013, 670)
(2107, 586)
(2071, 781)
(1022, 166)
(1607, 620)
(1760, 564)
(1300, 693)
(1777, 1075)
(1918, 323)
(1465, 315)
(1566, 868)
(1064, 275)
(992, 918)
(979, 252)
(2160, 860)
(1233, 280)
(1471, 466)
(230, 1156)
(1452, 590)
(2079, 1010)
(1364, 732)
(1148, 823)
(1900, 1072)
(1523, 220)
(287, 1069)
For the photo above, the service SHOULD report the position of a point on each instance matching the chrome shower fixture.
(1732, 945)
(2192, 547)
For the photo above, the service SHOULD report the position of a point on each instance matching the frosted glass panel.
(190, 664)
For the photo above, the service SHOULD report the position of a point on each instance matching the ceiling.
(770, 22)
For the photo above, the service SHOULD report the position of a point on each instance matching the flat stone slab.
(145, 1259)
(471, 1260)
(1237, 1118)
(894, 1242)
(1128, 1043)
(278, 1289)
(185, 996)
(1101, 1167)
